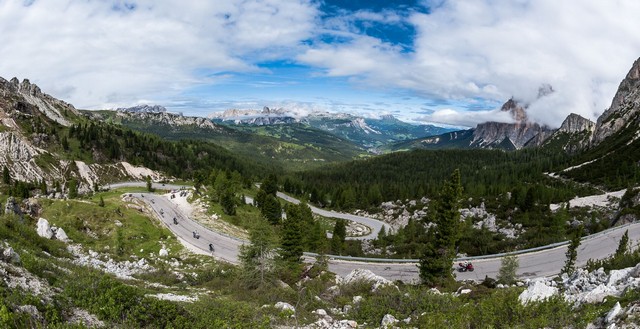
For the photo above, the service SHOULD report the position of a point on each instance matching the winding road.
(544, 261)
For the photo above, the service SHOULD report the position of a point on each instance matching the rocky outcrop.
(624, 109)
(574, 123)
(158, 115)
(495, 134)
(584, 287)
(28, 93)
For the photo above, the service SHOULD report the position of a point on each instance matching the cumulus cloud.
(498, 49)
(96, 53)
(109, 53)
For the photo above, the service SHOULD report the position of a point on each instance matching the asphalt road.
(541, 263)
(374, 224)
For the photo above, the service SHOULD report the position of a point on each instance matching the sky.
(437, 61)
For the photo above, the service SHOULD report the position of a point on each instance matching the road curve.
(542, 263)
(374, 224)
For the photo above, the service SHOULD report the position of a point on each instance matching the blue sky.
(442, 61)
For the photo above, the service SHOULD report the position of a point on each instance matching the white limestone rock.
(283, 306)
(44, 230)
(62, 235)
(388, 321)
(613, 313)
(359, 275)
(163, 252)
(537, 290)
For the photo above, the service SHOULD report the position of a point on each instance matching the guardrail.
(524, 251)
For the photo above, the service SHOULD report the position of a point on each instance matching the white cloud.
(498, 49)
(465, 118)
(93, 55)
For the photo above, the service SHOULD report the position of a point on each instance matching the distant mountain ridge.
(366, 132)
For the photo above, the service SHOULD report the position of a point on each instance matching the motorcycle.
(464, 267)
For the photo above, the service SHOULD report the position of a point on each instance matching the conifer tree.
(72, 187)
(623, 246)
(339, 236)
(270, 185)
(271, 209)
(228, 203)
(291, 248)
(572, 252)
(437, 258)
(257, 258)
(6, 176)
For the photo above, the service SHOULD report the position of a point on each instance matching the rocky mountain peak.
(575, 123)
(515, 109)
(144, 109)
(28, 96)
(624, 108)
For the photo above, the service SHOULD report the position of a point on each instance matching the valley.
(294, 212)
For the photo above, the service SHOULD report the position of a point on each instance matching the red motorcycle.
(465, 266)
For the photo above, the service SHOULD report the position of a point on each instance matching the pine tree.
(572, 252)
(339, 236)
(271, 209)
(623, 246)
(228, 203)
(72, 187)
(6, 176)
(437, 257)
(270, 185)
(291, 248)
(149, 184)
(257, 258)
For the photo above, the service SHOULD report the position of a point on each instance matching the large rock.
(61, 235)
(7, 254)
(283, 306)
(163, 252)
(537, 290)
(44, 230)
(388, 321)
(362, 275)
(613, 313)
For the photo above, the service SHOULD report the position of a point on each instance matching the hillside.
(45, 141)
(292, 147)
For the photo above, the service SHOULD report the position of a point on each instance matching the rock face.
(33, 99)
(624, 109)
(574, 123)
(158, 115)
(509, 135)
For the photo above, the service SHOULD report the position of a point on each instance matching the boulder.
(359, 275)
(8, 254)
(616, 276)
(356, 300)
(283, 306)
(163, 252)
(537, 290)
(613, 313)
(62, 235)
(388, 321)
(44, 230)
(12, 207)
